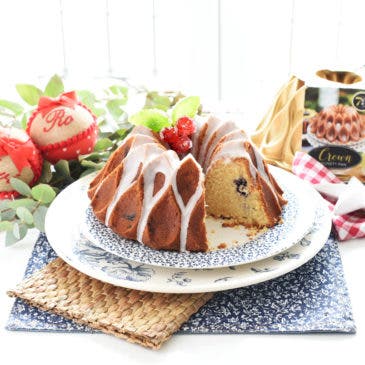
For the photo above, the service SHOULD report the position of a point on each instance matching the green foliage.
(43, 193)
(163, 110)
(39, 216)
(29, 93)
(24, 215)
(20, 186)
(188, 106)
(28, 211)
(15, 108)
(54, 87)
(154, 119)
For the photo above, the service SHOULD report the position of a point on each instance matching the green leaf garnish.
(54, 87)
(103, 144)
(114, 107)
(10, 239)
(29, 93)
(46, 172)
(188, 107)
(38, 216)
(19, 230)
(43, 193)
(7, 215)
(25, 215)
(20, 186)
(16, 108)
(27, 203)
(87, 97)
(119, 90)
(154, 100)
(6, 226)
(154, 119)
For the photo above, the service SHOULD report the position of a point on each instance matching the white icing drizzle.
(199, 123)
(186, 210)
(139, 139)
(213, 124)
(216, 135)
(236, 135)
(165, 164)
(142, 154)
(261, 169)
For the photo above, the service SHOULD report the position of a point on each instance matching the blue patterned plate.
(63, 232)
(243, 247)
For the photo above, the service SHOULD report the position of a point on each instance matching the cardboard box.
(334, 121)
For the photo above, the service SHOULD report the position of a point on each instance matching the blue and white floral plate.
(64, 234)
(243, 245)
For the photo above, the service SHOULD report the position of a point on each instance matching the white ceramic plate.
(63, 231)
(298, 216)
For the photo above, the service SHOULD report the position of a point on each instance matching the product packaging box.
(334, 121)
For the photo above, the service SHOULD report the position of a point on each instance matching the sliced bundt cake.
(146, 192)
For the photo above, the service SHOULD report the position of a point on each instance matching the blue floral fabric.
(313, 298)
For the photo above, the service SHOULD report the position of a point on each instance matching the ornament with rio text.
(62, 128)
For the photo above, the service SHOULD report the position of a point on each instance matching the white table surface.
(56, 348)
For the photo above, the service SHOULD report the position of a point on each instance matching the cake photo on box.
(338, 124)
(150, 193)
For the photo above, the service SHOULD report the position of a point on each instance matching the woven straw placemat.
(148, 319)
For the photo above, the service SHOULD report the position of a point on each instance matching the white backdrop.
(234, 50)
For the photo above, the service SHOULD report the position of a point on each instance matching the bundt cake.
(338, 124)
(146, 192)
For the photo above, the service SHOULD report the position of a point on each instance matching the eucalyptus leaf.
(54, 87)
(95, 156)
(29, 93)
(19, 231)
(87, 172)
(39, 216)
(92, 165)
(16, 108)
(103, 144)
(4, 204)
(46, 172)
(6, 226)
(10, 239)
(24, 121)
(114, 108)
(119, 90)
(62, 167)
(99, 112)
(26, 202)
(187, 106)
(16, 230)
(20, 186)
(154, 119)
(7, 215)
(25, 215)
(87, 97)
(43, 193)
(155, 100)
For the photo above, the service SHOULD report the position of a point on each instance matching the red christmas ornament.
(62, 128)
(19, 158)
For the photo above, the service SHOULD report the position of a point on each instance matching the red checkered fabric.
(347, 226)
